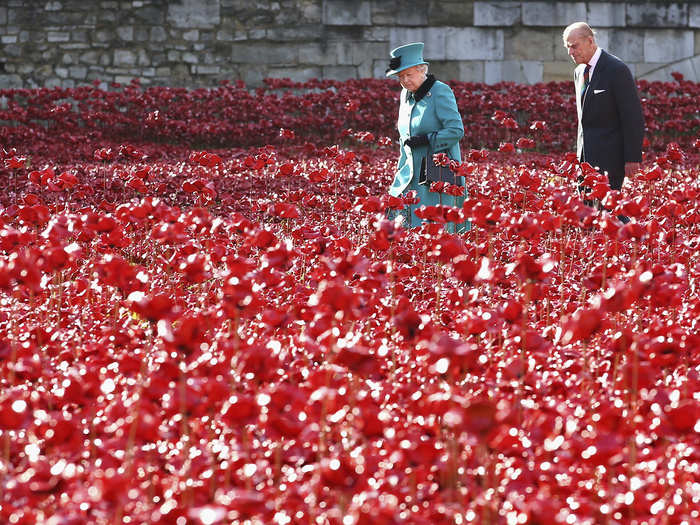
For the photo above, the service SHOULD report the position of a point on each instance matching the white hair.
(581, 28)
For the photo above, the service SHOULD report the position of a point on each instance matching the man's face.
(580, 47)
(412, 78)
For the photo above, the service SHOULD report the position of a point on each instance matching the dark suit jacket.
(610, 119)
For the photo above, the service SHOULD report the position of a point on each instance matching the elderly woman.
(429, 121)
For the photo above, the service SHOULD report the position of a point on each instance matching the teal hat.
(404, 57)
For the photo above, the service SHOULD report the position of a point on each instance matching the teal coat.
(435, 115)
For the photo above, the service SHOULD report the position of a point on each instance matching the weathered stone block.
(67, 58)
(693, 16)
(191, 35)
(496, 13)
(627, 45)
(553, 14)
(124, 57)
(8, 39)
(298, 33)
(366, 52)
(107, 16)
(194, 14)
(310, 11)
(58, 36)
(143, 58)
(256, 34)
(125, 33)
(141, 34)
(297, 74)
(187, 58)
(606, 14)
(252, 75)
(379, 68)
(150, 15)
(657, 14)
(224, 35)
(89, 57)
(432, 37)
(263, 53)
(602, 37)
(104, 35)
(667, 45)
(653, 72)
(529, 44)
(520, 71)
(459, 13)
(77, 72)
(10, 81)
(207, 70)
(53, 6)
(343, 13)
(61, 72)
(400, 12)
(558, 71)
(325, 53)
(375, 33)
(473, 43)
(339, 72)
(447, 71)
(158, 34)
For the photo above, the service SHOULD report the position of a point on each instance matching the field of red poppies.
(206, 317)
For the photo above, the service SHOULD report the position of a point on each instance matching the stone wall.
(201, 42)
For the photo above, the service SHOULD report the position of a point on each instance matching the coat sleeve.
(630, 112)
(451, 127)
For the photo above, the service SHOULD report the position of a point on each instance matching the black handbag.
(431, 172)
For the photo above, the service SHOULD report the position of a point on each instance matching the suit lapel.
(598, 73)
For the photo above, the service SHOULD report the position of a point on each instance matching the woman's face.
(412, 78)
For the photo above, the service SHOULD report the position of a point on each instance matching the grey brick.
(657, 15)
(432, 37)
(263, 53)
(124, 57)
(400, 12)
(191, 35)
(339, 72)
(58, 36)
(343, 13)
(529, 44)
(158, 34)
(298, 74)
(496, 13)
(627, 45)
(558, 14)
(126, 33)
(520, 71)
(667, 45)
(189, 14)
(473, 44)
(77, 72)
(607, 14)
(694, 16)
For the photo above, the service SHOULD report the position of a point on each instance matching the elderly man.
(610, 120)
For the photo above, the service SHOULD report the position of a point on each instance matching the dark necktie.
(586, 79)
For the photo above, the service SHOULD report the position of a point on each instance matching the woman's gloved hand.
(416, 141)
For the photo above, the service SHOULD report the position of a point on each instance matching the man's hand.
(631, 168)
